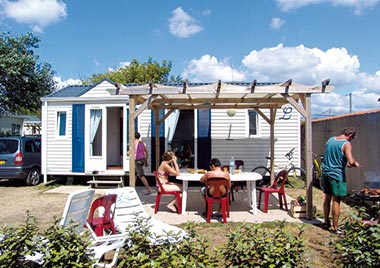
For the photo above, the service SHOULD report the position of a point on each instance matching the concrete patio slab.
(240, 210)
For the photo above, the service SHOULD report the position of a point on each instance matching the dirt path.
(17, 199)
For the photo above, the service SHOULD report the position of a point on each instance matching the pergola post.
(309, 157)
(131, 131)
(157, 138)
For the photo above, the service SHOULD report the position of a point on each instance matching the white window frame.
(58, 124)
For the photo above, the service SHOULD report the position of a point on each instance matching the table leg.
(251, 191)
(184, 196)
(254, 205)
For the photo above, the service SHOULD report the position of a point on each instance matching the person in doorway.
(338, 156)
(169, 166)
(141, 161)
(215, 172)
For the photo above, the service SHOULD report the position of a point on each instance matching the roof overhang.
(221, 95)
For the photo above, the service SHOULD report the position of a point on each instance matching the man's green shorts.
(333, 186)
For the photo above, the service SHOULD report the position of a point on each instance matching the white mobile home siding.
(250, 149)
(58, 149)
(254, 149)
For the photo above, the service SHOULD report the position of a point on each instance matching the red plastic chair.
(161, 191)
(104, 208)
(281, 177)
(224, 201)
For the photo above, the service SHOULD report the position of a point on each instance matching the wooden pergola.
(257, 96)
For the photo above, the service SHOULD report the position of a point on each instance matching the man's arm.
(347, 150)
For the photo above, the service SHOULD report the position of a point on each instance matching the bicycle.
(296, 175)
(317, 169)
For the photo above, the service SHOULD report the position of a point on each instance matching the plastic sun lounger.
(129, 206)
(75, 212)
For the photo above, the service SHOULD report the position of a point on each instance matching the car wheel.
(33, 177)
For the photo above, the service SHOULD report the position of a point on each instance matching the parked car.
(20, 159)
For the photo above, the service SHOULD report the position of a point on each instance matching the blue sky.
(267, 40)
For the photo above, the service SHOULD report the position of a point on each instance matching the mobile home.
(85, 133)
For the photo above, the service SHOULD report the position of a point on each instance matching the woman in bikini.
(169, 166)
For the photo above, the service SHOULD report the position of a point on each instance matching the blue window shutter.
(161, 114)
(78, 138)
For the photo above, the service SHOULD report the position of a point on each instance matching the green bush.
(189, 252)
(360, 246)
(16, 243)
(248, 245)
(58, 246)
(252, 245)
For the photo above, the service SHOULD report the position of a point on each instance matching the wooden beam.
(131, 131)
(253, 85)
(144, 106)
(295, 104)
(157, 138)
(309, 158)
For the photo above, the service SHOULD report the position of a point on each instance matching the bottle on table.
(232, 166)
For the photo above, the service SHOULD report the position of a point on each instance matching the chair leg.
(179, 204)
(209, 210)
(158, 197)
(280, 200)
(224, 211)
(266, 202)
(286, 205)
(259, 203)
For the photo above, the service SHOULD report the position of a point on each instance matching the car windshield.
(8, 146)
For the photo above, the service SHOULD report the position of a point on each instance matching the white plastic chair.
(75, 212)
(129, 206)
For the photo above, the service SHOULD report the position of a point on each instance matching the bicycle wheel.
(297, 177)
(265, 173)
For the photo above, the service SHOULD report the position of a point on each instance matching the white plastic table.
(249, 177)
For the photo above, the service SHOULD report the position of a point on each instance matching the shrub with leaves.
(253, 246)
(16, 243)
(360, 246)
(141, 251)
(65, 247)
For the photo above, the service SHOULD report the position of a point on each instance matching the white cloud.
(304, 65)
(122, 64)
(65, 83)
(209, 68)
(206, 12)
(357, 5)
(182, 25)
(277, 23)
(38, 14)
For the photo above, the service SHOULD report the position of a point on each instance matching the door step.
(106, 180)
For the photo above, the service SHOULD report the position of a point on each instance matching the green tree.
(135, 72)
(23, 79)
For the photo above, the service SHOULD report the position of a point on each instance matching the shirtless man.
(216, 171)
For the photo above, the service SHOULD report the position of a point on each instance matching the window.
(96, 132)
(16, 129)
(252, 119)
(61, 123)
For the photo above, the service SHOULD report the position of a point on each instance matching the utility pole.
(350, 101)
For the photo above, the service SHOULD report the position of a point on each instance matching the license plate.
(2, 162)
